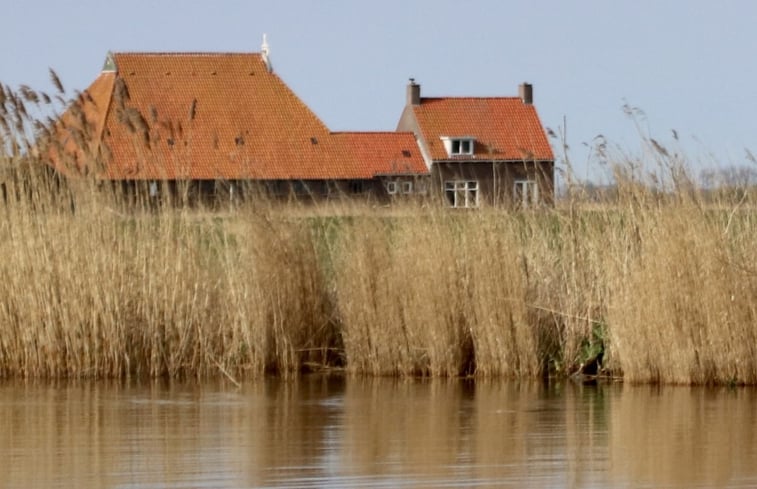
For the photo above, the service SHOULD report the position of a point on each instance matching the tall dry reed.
(685, 310)
(656, 285)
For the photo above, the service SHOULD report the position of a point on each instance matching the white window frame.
(459, 146)
(462, 194)
(391, 187)
(153, 188)
(526, 193)
(407, 187)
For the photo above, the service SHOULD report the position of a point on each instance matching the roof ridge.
(371, 132)
(463, 97)
(104, 116)
(188, 53)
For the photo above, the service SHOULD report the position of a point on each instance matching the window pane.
(450, 194)
(470, 198)
(526, 192)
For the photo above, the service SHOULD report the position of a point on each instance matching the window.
(300, 187)
(461, 193)
(357, 187)
(394, 187)
(276, 188)
(457, 146)
(462, 147)
(153, 189)
(526, 193)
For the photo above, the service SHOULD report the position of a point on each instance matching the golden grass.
(661, 285)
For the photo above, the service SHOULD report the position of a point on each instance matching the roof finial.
(110, 62)
(265, 50)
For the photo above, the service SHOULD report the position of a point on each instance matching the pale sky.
(689, 65)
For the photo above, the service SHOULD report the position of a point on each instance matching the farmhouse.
(210, 126)
(482, 150)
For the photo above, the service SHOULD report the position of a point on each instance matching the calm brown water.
(321, 432)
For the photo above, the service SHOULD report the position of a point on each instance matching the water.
(375, 433)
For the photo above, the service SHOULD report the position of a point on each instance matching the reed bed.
(655, 285)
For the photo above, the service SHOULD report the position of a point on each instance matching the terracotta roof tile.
(202, 116)
(78, 132)
(504, 127)
(226, 116)
(208, 116)
(369, 154)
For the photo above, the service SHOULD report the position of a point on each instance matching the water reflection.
(330, 432)
(686, 437)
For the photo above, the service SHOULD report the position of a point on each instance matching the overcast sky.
(689, 65)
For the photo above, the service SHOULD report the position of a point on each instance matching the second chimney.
(526, 93)
(413, 93)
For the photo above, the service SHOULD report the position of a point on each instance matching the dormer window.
(462, 147)
(458, 146)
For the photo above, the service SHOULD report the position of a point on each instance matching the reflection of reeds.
(430, 432)
(683, 436)
(661, 280)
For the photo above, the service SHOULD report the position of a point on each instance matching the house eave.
(484, 159)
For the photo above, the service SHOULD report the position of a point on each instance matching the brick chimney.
(526, 93)
(413, 93)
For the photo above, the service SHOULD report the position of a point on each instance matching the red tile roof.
(218, 116)
(381, 153)
(209, 116)
(504, 127)
(199, 116)
(78, 132)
